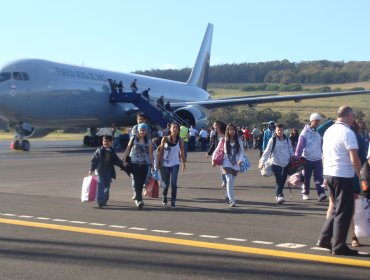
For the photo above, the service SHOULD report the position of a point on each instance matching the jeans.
(191, 143)
(337, 225)
(316, 168)
(185, 150)
(230, 180)
(171, 174)
(281, 173)
(139, 172)
(203, 144)
(103, 188)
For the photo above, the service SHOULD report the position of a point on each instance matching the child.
(103, 162)
(233, 157)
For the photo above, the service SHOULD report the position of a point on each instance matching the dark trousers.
(316, 168)
(341, 191)
(139, 172)
(191, 146)
(281, 173)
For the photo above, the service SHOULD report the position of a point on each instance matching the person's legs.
(307, 177)
(174, 174)
(344, 201)
(230, 178)
(318, 177)
(139, 171)
(278, 172)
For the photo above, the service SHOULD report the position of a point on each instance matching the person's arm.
(160, 152)
(94, 162)
(355, 160)
(182, 155)
(300, 146)
(127, 151)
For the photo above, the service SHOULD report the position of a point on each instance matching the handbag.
(245, 164)
(296, 165)
(361, 218)
(152, 188)
(218, 155)
(89, 185)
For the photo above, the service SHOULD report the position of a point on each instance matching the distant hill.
(282, 72)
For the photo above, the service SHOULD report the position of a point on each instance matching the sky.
(126, 36)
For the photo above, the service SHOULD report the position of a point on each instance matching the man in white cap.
(310, 147)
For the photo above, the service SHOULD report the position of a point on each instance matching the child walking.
(233, 157)
(103, 162)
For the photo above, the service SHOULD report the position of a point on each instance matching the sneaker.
(134, 197)
(305, 197)
(139, 204)
(345, 251)
(227, 200)
(233, 204)
(100, 205)
(280, 199)
(164, 200)
(322, 197)
(223, 184)
(173, 204)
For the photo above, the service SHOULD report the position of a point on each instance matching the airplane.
(37, 96)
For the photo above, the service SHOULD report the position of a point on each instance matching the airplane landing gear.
(19, 144)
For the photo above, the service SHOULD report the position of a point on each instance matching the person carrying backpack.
(280, 150)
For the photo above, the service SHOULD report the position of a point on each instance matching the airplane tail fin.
(199, 74)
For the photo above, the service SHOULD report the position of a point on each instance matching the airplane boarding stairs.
(157, 114)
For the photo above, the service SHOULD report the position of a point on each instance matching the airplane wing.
(252, 101)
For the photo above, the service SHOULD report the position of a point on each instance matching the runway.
(43, 187)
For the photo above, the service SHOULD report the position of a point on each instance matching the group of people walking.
(333, 160)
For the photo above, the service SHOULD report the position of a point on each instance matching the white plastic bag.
(266, 171)
(89, 186)
(361, 218)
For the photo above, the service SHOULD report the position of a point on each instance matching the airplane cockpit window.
(21, 76)
(4, 76)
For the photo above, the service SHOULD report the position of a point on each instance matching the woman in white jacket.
(280, 150)
(233, 157)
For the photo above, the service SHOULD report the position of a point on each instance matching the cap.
(142, 126)
(315, 117)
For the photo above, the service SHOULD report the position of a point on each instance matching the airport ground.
(47, 233)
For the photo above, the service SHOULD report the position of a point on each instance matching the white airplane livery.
(38, 96)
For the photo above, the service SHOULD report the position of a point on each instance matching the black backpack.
(365, 179)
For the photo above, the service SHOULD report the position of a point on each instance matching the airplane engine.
(193, 115)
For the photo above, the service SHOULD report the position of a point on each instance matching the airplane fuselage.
(49, 94)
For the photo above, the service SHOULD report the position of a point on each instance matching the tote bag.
(218, 156)
(361, 218)
(89, 185)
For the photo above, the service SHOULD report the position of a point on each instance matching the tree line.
(281, 72)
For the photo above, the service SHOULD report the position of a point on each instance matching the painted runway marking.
(116, 226)
(138, 228)
(42, 218)
(263, 242)
(9, 215)
(184, 233)
(290, 245)
(59, 220)
(209, 236)
(25, 216)
(319, 249)
(193, 243)
(77, 222)
(236, 239)
(97, 224)
(160, 231)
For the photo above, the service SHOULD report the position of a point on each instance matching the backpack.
(274, 142)
(365, 179)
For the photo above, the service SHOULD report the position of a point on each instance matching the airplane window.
(17, 76)
(21, 76)
(4, 76)
(25, 76)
